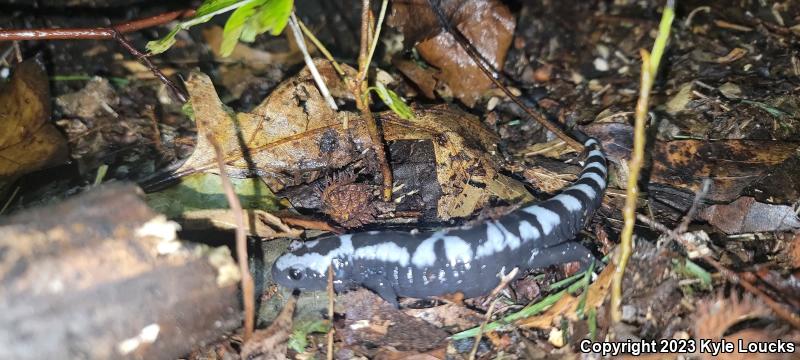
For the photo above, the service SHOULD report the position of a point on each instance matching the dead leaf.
(271, 343)
(293, 137)
(287, 140)
(424, 78)
(568, 304)
(616, 137)
(746, 215)
(256, 222)
(716, 317)
(488, 25)
(254, 59)
(97, 97)
(732, 165)
(733, 55)
(466, 158)
(28, 141)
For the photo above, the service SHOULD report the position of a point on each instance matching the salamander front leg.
(563, 253)
(384, 289)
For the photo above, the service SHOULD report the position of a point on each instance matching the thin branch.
(301, 44)
(331, 296)
(359, 89)
(649, 71)
(503, 283)
(248, 287)
(698, 199)
(92, 33)
(114, 32)
(375, 37)
(476, 58)
(179, 93)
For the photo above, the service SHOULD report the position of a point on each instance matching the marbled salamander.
(470, 260)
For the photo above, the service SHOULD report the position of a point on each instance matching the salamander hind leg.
(562, 253)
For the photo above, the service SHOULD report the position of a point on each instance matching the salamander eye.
(295, 274)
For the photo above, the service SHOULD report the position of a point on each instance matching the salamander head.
(305, 267)
(290, 272)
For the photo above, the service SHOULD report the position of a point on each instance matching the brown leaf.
(28, 141)
(746, 215)
(715, 318)
(732, 165)
(488, 25)
(253, 58)
(270, 343)
(465, 155)
(424, 78)
(293, 137)
(292, 132)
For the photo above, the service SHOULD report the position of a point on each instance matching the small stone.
(600, 64)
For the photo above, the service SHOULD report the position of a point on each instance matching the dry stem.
(362, 102)
(248, 287)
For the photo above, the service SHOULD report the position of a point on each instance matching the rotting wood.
(102, 276)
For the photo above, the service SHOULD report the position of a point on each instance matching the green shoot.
(249, 19)
(393, 101)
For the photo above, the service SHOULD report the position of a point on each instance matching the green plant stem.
(649, 71)
(528, 311)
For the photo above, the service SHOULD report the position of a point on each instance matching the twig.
(649, 71)
(362, 103)
(503, 283)
(92, 33)
(10, 199)
(179, 93)
(301, 44)
(476, 57)
(698, 199)
(114, 32)
(331, 296)
(241, 242)
(375, 37)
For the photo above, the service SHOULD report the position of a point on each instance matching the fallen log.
(102, 276)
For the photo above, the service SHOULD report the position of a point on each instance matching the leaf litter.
(722, 112)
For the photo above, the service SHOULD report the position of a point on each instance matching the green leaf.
(163, 44)
(203, 191)
(299, 339)
(205, 12)
(274, 16)
(393, 101)
(236, 24)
